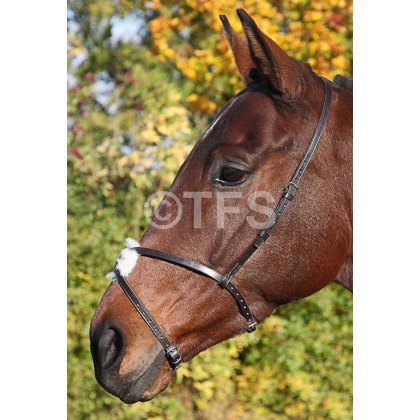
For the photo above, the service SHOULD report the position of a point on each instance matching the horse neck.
(343, 142)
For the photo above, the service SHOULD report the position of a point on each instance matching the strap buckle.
(252, 327)
(261, 237)
(225, 280)
(290, 191)
(228, 276)
(174, 357)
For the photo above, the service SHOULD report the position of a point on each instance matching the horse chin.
(150, 383)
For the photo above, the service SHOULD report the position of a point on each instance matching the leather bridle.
(225, 280)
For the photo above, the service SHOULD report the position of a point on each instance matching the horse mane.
(343, 81)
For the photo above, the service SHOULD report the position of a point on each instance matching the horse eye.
(229, 175)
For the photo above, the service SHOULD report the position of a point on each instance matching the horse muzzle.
(143, 381)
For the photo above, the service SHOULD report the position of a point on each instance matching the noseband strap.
(225, 280)
(171, 351)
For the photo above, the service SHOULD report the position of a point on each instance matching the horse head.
(224, 193)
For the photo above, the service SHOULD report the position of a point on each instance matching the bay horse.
(200, 281)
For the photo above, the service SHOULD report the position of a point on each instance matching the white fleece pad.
(126, 260)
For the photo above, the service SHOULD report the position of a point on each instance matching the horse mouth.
(150, 383)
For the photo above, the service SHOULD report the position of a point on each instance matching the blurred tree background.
(144, 79)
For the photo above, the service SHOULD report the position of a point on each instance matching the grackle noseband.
(225, 280)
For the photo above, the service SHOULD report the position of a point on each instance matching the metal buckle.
(174, 357)
(252, 327)
(290, 191)
(225, 281)
(261, 237)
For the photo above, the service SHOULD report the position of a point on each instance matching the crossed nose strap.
(223, 280)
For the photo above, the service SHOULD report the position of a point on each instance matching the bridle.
(225, 280)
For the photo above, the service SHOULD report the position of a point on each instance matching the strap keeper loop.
(290, 191)
(228, 276)
(261, 237)
(174, 357)
(225, 281)
(252, 327)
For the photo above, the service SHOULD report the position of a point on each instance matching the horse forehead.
(242, 114)
(252, 105)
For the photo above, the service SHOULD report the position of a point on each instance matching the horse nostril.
(110, 347)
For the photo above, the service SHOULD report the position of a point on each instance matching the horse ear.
(282, 72)
(240, 50)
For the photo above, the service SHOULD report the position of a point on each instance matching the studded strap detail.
(171, 351)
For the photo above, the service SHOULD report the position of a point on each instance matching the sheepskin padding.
(126, 260)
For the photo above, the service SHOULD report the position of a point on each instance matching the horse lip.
(129, 398)
(135, 392)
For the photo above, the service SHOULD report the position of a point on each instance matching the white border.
(33, 221)
(33, 209)
(387, 211)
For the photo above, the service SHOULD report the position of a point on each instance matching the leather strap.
(225, 280)
(171, 350)
(293, 186)
(181, 261)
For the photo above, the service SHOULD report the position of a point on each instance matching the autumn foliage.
(145, 78)
(318, 32)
